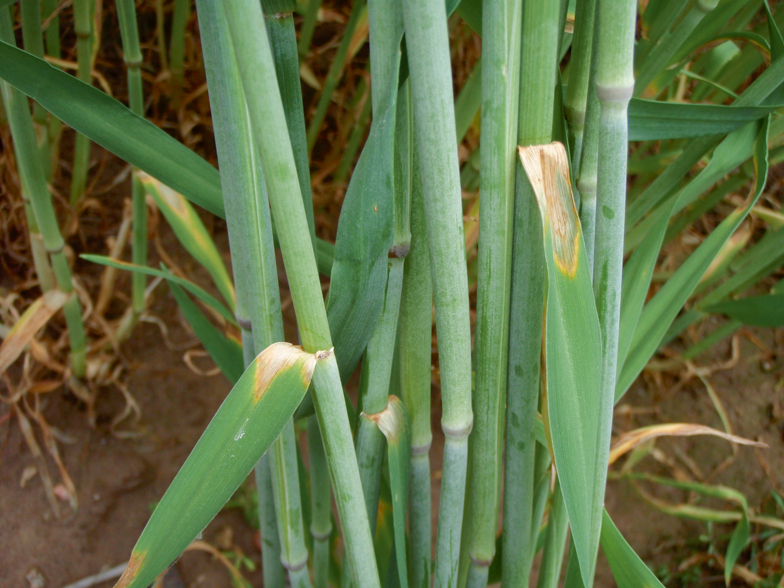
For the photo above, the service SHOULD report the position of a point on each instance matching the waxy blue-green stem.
(83, 27)
(427, 42)
(33, 179)
(501, 23)
(614, 89)
(523, 460)
(268, 123)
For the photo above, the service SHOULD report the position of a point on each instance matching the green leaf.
(627, 568)
(471, 12)
(365, 230)
(107, 122)
(225, 351)
(757, 311)
(651, 120)
(394, 423)
(245, 425)
(191, 232)
(738, 542)
(658, 314)
(197, 291)
(637, 274)
(572, 352)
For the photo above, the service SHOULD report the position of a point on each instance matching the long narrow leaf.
(191, 232)
(225, 352)
(245, 425)
(113, 126)
(572, 350)
(758, 311)
(198, 292)
(658, 314)
(651, 120)
(627, 568)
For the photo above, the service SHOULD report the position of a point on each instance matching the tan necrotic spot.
(279, 357)
(547, 168)
(131, 570)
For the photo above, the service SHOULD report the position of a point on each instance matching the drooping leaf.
(35, 317)
(191, 232)
(245, 425)
(197, 291)
(632, 439)
(572, 351)
(658, 314)
(757, 311)
(109, 123)
(225, 351)
(627, 568)
(365, 230)
(651, 120)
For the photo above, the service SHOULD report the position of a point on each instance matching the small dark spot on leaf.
(608, 212)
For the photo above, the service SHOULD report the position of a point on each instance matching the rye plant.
(584, 178)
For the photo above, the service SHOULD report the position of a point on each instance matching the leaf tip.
(132, 569)
(547, 168)
(280, 357)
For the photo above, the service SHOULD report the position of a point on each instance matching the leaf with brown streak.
(632, 439)
(547, 168)
(35, 317)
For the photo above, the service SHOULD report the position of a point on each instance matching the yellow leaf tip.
(280, 357)
(131, 570)
(547, 168)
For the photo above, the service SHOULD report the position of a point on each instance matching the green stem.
(83, 27)
(308, 27)
(586, 166)
(288, 503)
(43, 268)
(180, 16)
(431, 85)
(376, 371)
(614, 88)
(335, 73)
(274, 576)
(554, 541)
(501, 22)
(414, 348)
(469, 100)
(33, 181)
(523, 460)
(575, 103)
(257, 71)
(34, 43)
(358, 132)
(126, 11)
(321, 505)
(245, 200)
(386, 29)
(540, 42)
(52, 33)
(279, 16)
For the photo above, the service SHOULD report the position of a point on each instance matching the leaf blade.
(245, 425)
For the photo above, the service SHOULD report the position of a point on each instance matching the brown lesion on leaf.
(391, 420)
(280, 357)
(132, 569)
(547, 168)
